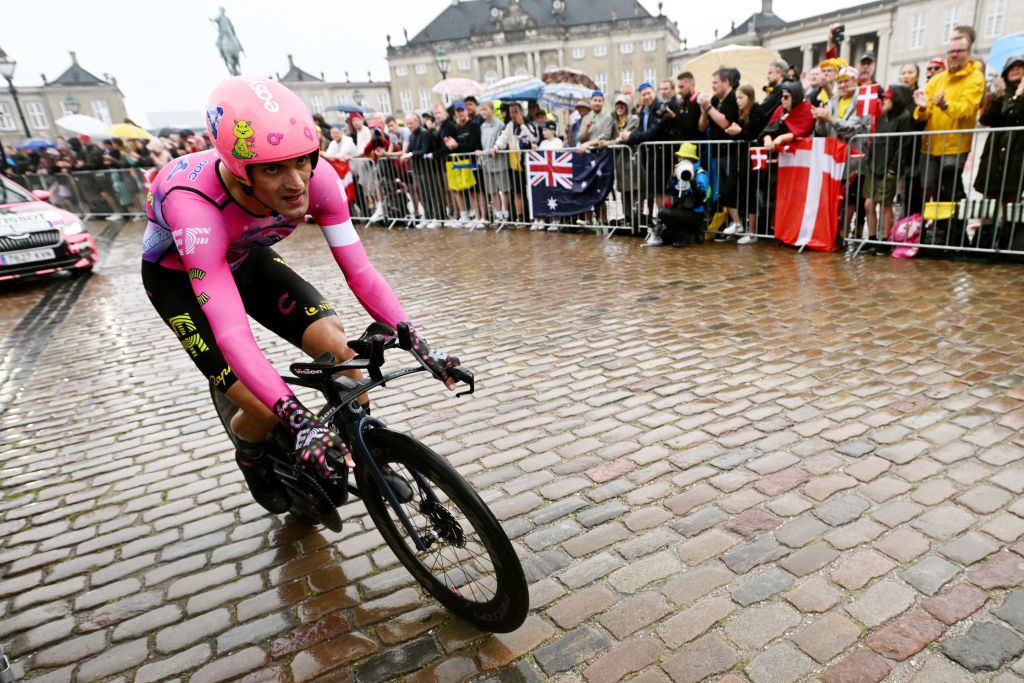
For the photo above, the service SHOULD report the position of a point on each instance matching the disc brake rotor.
(444, 523)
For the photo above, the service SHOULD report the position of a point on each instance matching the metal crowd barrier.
(969, 200)
(738, 195)
(475, 191)
(92, 193)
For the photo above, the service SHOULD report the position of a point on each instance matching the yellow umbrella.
(127, 130)
(751, 61)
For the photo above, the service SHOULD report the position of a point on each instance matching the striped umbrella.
(514, 88)
(458, 87)
(572, 76)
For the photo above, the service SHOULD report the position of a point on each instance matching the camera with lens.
(838, 33)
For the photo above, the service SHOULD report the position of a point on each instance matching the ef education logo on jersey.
(259, 86)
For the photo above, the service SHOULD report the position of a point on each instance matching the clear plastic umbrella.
(565, 95)
(514, 88)
(83, 125)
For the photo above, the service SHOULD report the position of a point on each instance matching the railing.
(115, 192)
(966, 186)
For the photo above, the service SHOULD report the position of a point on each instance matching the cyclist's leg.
(285, 303)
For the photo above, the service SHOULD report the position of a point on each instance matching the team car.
(37, 238)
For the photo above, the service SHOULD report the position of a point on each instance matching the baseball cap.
(937, 61)
(645, 85)
(459, 105)
(846, 72)
(866, 57)
(550, 125)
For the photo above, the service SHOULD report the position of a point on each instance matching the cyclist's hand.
(437, 362)
(313, 439)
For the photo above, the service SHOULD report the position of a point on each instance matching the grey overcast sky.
(165, 59)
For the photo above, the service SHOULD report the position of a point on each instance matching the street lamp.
(357, 97)
(72, 104)
(444, 62)
(7, 71)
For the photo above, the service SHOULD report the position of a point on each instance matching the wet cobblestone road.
(735, 464)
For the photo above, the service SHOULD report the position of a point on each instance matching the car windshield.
(12, 194)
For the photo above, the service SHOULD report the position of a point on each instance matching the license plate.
(16, 258)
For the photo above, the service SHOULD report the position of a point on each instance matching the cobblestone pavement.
(742, 464)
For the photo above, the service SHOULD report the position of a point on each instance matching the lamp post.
(7, 71)
(72, 104)
(357, 97)
(443, 62)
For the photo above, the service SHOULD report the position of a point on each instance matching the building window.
(917, 31)
(421, 69)
(6, 118)
(994, 18)
(101, 111)
(401, 71)
(627, 77)
(316, 104)
(651, 74)
(424, 99)
(37, 115)
(626, 48)
(600, 50)
(340, 98)
(464, 64)
(601, 79)
(490, 78)
(578, 53)
(384, 102)
(650, 45)
(406, 101)
(952, 21)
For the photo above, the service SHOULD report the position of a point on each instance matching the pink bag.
(908, 231)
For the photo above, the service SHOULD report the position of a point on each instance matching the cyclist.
(207, 261)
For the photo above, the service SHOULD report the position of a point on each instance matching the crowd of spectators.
(459, 164)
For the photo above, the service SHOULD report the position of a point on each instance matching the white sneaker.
(580, 222)
(746, 239)
(457, 223)
(537, 225)
(421, 223)
(433, 225)
(378, 215)
(732, 228)
(115, 217)
(481, 223)
(652, 241)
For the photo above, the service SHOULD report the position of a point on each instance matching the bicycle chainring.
(310, 499)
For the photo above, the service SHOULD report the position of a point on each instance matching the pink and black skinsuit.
(207, 262)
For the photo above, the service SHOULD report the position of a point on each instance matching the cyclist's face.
(284, 185)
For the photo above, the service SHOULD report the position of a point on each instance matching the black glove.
(437, 362)
(313, 439)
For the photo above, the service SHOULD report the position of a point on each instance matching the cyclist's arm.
(203, 245)
(329, 208)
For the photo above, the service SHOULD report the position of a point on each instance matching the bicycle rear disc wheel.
(470, 566)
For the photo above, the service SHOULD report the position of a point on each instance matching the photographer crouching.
(682, 223)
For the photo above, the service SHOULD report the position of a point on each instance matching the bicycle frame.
(355, 421)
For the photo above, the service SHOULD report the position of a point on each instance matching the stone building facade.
(613, 41)
(75, 91)
(319, 93)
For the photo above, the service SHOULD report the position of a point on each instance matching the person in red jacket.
(791, 120)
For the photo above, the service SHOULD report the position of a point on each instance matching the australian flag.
(565, 183)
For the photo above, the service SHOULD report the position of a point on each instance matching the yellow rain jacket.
(964, 91)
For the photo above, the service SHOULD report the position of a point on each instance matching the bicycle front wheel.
(469, 565)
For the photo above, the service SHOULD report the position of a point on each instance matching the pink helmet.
(256, 120)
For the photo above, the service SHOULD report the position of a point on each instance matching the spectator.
(791, 74)
(936, 65)
(773, 89)
(745, 130)
(583, 111)
(323, 129)
(667, 92)
(687, 115)
(1001, 170)
(550, 141)
(426, 179)
(463, 144)
(866, 69)
(949, 102)
(683, 222)
(399, 134)
(598, 125)
(839, 119)
(791, 121)
(830, 69)
(519, 134)
(627, 91)
(495, 170)
(968, 33)
(625, 122)
(820, 90)
(887, 160)
(910, 74)
(158, 153)
(471, 109)
(719, 113)
(647, 130)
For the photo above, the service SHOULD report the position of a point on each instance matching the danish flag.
(809, 193)
(553, 169)
(869, 104)
(758, 158)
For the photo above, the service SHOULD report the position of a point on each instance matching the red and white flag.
(809, 193)
(758, 158)
(869, 104)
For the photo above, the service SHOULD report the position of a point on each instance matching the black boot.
(257, 469)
